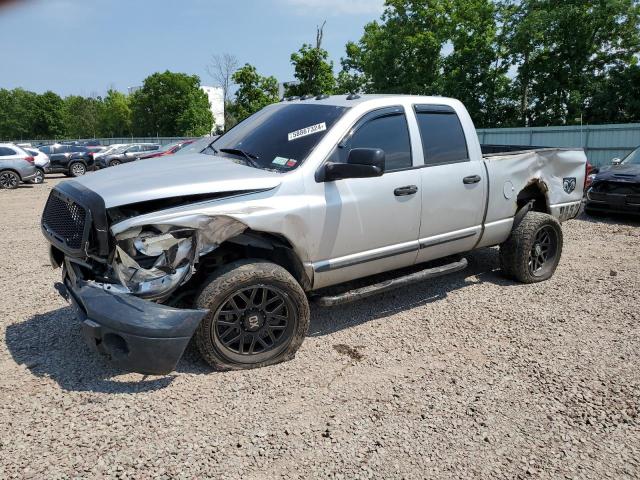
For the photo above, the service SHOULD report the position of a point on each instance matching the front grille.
(65, 221)
(618, 188)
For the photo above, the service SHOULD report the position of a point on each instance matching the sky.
(85, 47)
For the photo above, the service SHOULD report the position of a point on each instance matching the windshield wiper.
(250, 157)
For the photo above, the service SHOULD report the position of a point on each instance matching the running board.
(364, 292)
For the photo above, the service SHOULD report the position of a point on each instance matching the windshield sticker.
(291, 163)
(303, 132)
(280, 161)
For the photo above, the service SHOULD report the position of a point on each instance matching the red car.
(168, 149)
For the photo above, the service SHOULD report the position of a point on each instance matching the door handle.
(471, 179)
(407, 190)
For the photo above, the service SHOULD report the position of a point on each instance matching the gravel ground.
(468, 376)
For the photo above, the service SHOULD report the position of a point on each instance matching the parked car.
(16, 166)
(616, 188)
(127, 154)
(42, 163)
(72, 160)
(168, 149)
(107, 151)
(198, 146)
(301, 196)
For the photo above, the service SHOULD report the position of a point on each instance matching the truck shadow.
(484, 266)
(51, 345)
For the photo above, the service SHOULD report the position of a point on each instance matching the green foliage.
(512, 62)
(115, 115)
(564, 51)
(171, 104)
(254, 92)
(81, 116)
(313, 71)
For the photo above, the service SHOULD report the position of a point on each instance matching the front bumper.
(137, 335)
(613, 203)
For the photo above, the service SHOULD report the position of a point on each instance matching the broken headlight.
(151, 264)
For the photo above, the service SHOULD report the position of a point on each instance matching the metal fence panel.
(601, 142)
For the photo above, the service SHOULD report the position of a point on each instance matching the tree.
(18, 114)
(221, 70)
(254, 92)
(475, 72)
(171, 104)
(81, 116)
(312, 69)
(402, 52)
(563, 52)
(351, 78)
(115, 115)
(616, 98)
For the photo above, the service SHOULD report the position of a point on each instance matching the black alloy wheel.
(9, 180)
(543, 252)
(253, 321)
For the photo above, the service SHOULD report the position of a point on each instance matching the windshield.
(169, 146)
(633, 158)
(197, 146)
(279, 136)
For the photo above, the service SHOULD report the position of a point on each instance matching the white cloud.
(335, 7)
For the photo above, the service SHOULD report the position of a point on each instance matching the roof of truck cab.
(344, 101)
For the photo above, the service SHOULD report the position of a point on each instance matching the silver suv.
(16, 166)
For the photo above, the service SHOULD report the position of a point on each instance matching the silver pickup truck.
(229, 245)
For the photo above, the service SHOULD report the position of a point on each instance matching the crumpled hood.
(623, 173)
(172, 176)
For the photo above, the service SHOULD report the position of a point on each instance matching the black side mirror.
(361, 163)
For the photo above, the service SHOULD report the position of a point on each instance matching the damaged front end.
(152, 261)
(123, 274)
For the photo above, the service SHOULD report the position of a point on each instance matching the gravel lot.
(468, 376)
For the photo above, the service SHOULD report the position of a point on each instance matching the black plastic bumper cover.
(138, 335)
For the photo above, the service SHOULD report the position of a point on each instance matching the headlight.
(152, 264)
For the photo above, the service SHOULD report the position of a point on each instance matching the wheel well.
(266, 246)
(535, 191)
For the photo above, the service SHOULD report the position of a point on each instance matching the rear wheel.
(532, 251)
(114, 163)
(77, 169)
(9, 180)
(258, 316)
(39, 178)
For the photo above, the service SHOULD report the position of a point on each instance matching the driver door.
(370, 225)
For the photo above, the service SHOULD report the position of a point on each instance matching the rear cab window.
(443, 139)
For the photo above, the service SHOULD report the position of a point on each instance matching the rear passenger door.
(59, 157)
(453, 186)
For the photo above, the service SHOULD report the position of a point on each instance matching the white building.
(216, 103)
(216, 100)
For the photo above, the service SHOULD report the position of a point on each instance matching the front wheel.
(258, 316)
(77, 169)
(114, 163)
(532, 251)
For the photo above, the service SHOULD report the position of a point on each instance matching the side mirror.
(361, 163)
(616, 161)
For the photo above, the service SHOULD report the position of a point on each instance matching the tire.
(9, 180)
(77, 169)
(114, 163)
(248, 330)
(532, 252)
(39, 177)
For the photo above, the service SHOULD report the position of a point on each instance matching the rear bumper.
(137, 335)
